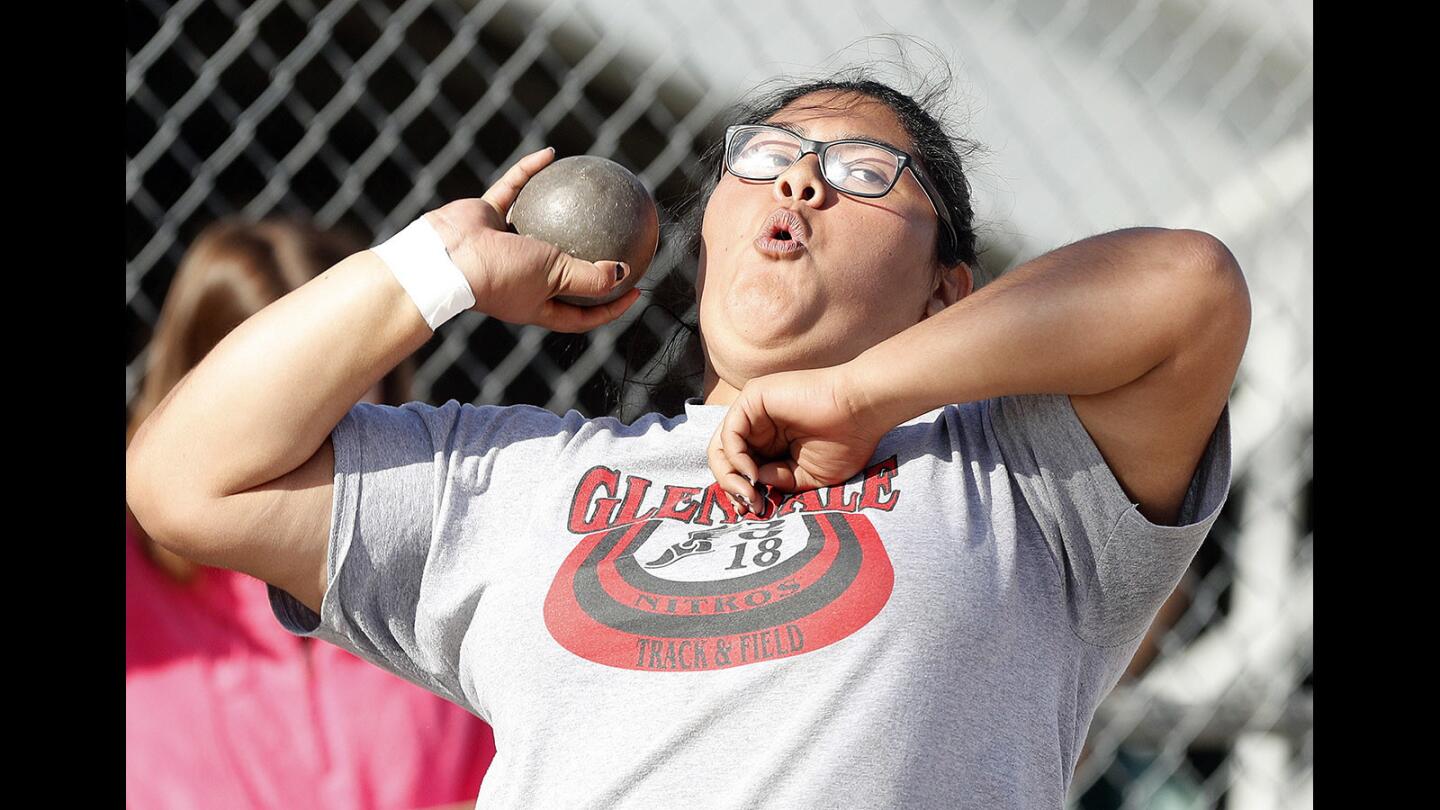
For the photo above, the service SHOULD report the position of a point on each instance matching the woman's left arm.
(1143, 328)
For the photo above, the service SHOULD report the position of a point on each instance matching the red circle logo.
(662, 595)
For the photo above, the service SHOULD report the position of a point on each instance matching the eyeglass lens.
(860, 168)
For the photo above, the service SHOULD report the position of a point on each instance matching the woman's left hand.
(793, 430)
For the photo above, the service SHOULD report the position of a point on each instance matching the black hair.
(680, 358)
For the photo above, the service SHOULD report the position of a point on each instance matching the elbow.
(139, 500)
(157, 511)
(1215, 284)
(1195, 264)
(136, 492)
(1214, 275)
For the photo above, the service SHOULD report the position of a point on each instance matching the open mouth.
(784, 233)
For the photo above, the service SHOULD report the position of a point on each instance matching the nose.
(802, 181)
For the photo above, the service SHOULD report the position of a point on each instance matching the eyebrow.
(799, 130)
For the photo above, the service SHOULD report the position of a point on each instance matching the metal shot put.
(594, 209)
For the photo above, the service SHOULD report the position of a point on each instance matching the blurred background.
(1093, 115)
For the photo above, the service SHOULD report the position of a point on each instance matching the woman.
(223, 708)
(879, 562)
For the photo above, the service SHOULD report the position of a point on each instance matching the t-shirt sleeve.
(407, 537)
(1118, 567)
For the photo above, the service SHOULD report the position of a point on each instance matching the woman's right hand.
(516, 278)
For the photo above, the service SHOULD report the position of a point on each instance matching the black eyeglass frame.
(819, 148)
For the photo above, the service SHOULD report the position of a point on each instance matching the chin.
(782, 297)
(768, 322)
(757, 355)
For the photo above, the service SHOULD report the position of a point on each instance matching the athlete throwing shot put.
(893, 554)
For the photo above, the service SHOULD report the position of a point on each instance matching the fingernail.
(745, 502)
(621, 271)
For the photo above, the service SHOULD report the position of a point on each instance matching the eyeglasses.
(861, 168)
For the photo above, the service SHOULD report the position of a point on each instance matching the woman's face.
(866, 273)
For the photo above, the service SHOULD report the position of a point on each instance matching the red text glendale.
(605, 499)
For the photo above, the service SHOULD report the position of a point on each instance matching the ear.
(951, 284)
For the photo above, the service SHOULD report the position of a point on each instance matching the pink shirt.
(224, 709)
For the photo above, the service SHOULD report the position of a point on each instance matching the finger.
(729, 480)
(559, 316)
(502, 195)
(740, 463)
(734, 429)
(779, 474)
(571, 276)
(762, 436)
(744, 497)
(789, 476)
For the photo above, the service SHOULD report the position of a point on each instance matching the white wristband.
(417, 257)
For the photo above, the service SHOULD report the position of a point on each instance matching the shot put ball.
(594, 209)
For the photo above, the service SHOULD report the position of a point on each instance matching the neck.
(717, 391)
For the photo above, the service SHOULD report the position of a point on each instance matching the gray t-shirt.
(935, 632)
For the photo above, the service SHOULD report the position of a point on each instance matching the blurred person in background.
(224, 709)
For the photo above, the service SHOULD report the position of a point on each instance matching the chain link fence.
(1095, 114)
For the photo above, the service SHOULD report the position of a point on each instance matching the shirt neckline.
(698, 413)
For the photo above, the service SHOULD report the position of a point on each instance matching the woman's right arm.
(235, 467)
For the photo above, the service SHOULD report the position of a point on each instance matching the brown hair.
(233, 270)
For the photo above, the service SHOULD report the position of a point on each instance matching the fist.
(795, 431)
